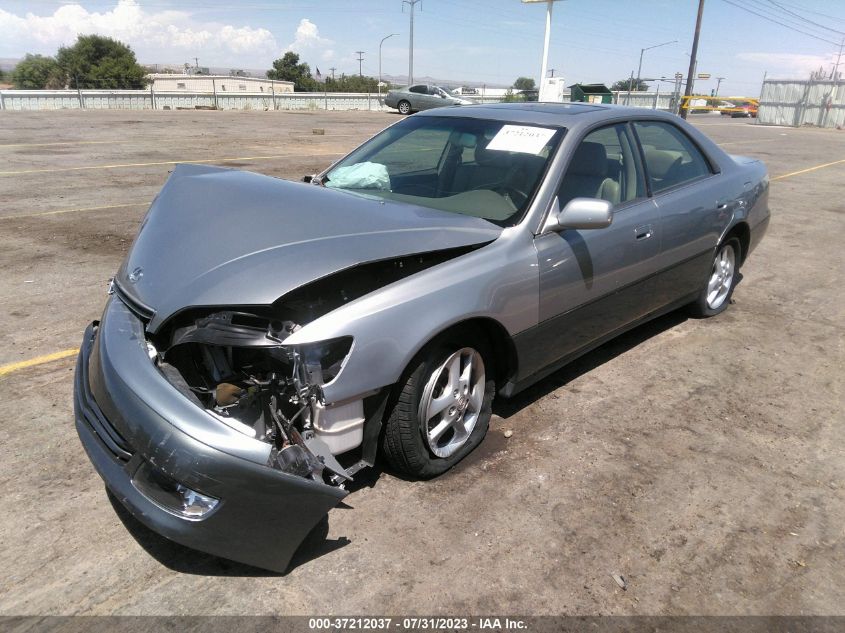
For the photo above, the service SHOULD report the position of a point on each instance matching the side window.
(418, 89)
(671, 157)
(604, 166)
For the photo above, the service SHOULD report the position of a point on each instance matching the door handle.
(721, 206)
(644, 232)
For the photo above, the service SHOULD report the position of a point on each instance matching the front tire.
(442, 410)
(404, 107)
(724, 274)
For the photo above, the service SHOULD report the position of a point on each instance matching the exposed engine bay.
(235, 365)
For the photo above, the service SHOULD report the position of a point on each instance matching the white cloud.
(789, 64)
(307, 38)
(153, 35)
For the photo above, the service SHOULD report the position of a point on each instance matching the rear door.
(692, 206)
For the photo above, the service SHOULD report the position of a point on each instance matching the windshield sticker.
(521, 138)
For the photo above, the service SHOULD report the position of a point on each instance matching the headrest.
(590, 160)
(462, 139)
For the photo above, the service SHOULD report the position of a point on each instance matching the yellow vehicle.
(728, 106)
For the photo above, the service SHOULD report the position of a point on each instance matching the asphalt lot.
(702, 460)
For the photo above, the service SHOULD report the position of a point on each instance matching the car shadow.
(506, 408)
(185, 560)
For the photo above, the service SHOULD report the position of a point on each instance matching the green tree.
(622, 85)
(288, 68)
(36, 72)
(100, 62)
(352, 83)
(524, 83)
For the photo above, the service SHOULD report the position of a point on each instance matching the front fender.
(389, 326)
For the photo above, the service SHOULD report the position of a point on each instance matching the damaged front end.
(183, 472)
(235, 366)
(191, 402)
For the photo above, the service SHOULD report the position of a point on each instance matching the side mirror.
(580, 213)
(308, 178)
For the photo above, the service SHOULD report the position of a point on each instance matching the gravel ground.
(700, 459)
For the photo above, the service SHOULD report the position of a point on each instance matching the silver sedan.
(421, 97)
(266, 340)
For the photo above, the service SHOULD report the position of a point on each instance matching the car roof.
(541, 113)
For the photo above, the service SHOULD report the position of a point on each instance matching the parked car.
(265, 340)
(421, 97)
(740, 108)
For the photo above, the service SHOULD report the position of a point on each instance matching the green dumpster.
(590, 93)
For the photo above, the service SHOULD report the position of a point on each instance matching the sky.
(492, 41)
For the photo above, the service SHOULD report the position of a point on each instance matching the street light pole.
(379, 60)
(643, 50)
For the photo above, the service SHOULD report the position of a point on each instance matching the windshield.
(487, 169)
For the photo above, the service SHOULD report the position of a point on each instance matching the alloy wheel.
(451, 402)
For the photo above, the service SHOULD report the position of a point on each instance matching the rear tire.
(441, 408)
(716, 295)
(404, 107)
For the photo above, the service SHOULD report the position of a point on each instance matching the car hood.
(221, 237)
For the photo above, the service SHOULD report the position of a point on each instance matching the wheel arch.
(742, 232)
(502, 347)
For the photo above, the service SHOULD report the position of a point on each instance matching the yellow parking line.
(38, 360)
(58, 143)
(60, 211)
(804, 171)
(163, 162)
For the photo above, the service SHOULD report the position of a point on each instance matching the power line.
(771, 19)
(824, 15)
(802, 18)
(793, 18)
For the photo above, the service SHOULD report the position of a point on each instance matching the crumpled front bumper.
(129, 416)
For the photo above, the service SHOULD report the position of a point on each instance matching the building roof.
(182, 76)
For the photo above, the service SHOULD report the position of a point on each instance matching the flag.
(318, 72)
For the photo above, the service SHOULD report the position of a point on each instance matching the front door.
(594, 282)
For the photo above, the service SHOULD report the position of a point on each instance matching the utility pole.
(197, 63)
(411, 4)
(718, 84)
(693, 59)
(360, 55)
(838, 59)
(552, 72)
(332, 69)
